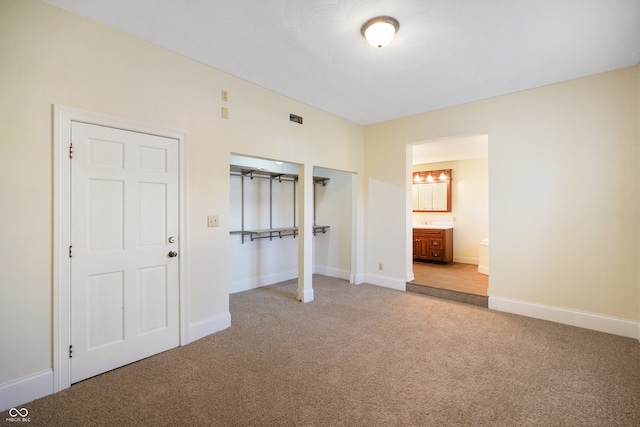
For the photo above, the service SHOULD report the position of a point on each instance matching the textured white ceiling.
(447, 52)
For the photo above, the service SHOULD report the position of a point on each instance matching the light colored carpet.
(366, 356)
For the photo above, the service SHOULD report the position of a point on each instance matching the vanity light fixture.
(431, 176)
(379, 31)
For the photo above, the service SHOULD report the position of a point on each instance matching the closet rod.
(279, 178)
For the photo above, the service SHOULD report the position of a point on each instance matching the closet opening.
(265, 223)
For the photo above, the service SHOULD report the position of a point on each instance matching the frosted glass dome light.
(380, 31)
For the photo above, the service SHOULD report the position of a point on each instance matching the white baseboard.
(466, 260)
(386, 282)
(208, 326)
(483, 269)
(257, 282)
(26, 389)
(332, 272)
(596, 322)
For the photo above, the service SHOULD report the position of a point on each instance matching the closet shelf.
(272, 233)
(250, 172)
(320, 229)
(245, 172)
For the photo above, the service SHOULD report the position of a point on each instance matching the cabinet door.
(420, 247)
(433, 245)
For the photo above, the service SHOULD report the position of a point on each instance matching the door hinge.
(71, 151)
(70, 251)
(70, 351)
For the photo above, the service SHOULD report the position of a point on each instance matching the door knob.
(173, 254)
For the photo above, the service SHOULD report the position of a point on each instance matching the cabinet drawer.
(428, 232)
(436, 243)
(437, 255)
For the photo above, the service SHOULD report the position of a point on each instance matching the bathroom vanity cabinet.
(433, 244)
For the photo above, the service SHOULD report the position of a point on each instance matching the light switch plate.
(212, 221)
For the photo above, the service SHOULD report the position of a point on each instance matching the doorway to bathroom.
(463, 275)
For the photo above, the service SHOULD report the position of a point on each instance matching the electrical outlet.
(212, 221)
(380, 266)
(224, 113)
(224, 96)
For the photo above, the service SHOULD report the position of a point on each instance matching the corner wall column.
(305, 230)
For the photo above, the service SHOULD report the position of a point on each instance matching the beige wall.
(53, 57)
(563, 191)
(332, 250)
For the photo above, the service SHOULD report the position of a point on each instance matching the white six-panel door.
(124, 237)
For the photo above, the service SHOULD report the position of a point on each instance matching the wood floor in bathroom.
(453, 276)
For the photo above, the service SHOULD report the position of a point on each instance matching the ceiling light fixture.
(379, 31)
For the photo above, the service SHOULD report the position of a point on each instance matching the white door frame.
(63, 118)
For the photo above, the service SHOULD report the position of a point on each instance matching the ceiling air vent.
(295, 119)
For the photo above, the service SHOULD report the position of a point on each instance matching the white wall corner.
(386, 282)
(466, 260)
(357, 279)
(259, 281)
(208, 326)
(23, 390)
(332, 272)
(581, 319)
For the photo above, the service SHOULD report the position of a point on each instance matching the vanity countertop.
(433, 226)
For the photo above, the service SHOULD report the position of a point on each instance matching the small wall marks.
(224, 111)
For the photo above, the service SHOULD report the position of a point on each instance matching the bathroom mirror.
(432, 191)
